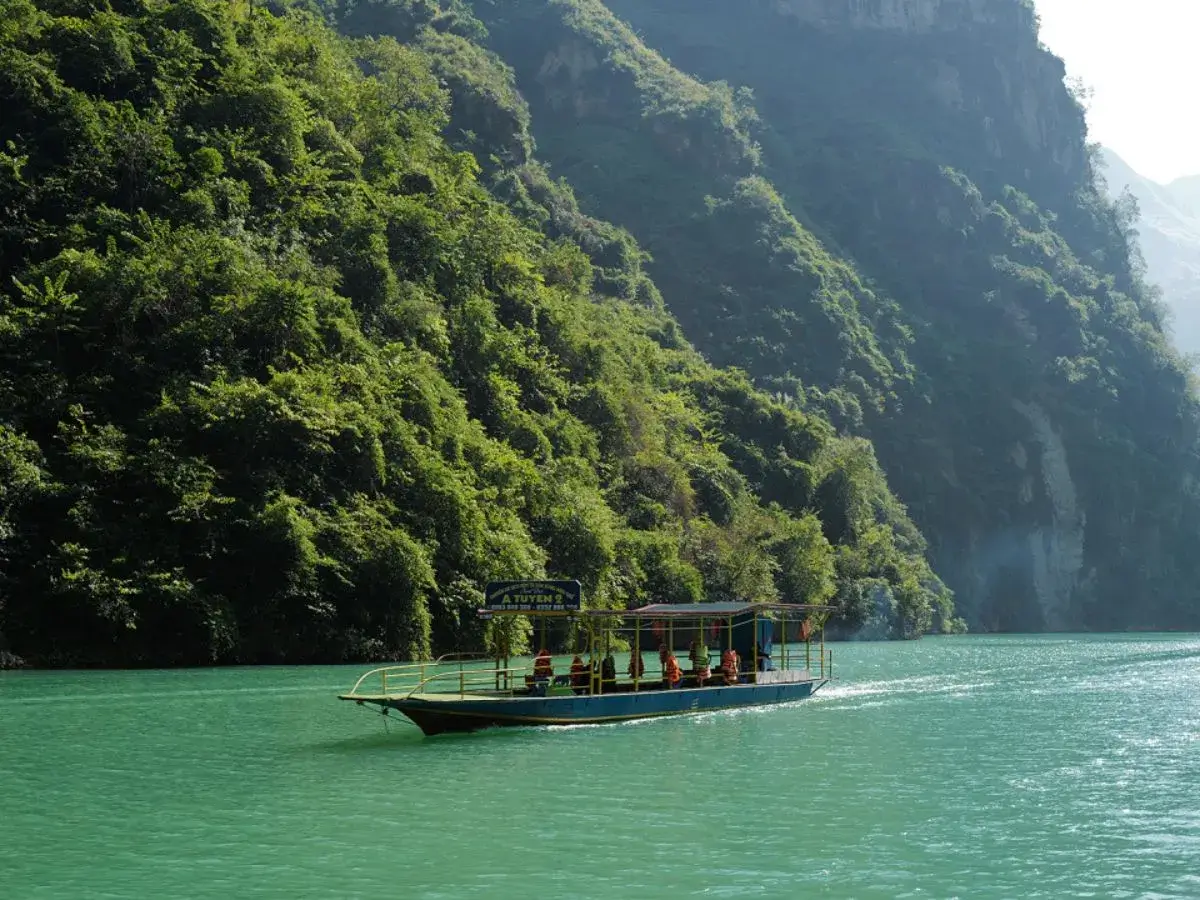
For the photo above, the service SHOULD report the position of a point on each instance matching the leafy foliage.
(286, 376)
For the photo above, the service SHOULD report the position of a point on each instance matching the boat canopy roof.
(665, 610)
(705, 610)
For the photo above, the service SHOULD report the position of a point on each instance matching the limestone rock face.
(907, 15)
(1056, 547)
(562, 73)
(1021, 66)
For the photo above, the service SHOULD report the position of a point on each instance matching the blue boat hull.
(435, 716)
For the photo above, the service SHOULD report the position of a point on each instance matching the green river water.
(949, 767)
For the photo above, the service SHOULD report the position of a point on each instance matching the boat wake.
(875, 693)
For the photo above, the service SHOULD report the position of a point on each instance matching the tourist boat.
(461, 693)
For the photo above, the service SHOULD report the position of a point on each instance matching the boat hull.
(452, 714)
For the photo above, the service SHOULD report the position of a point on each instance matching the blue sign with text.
(534, 596)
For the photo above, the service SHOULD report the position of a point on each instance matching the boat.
(734, 662)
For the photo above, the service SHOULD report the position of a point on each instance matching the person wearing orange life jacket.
(579, 675)
(637, 666)
(543, 667)
(672, 674)
(729, 665)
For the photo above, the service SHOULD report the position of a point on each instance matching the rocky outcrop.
(908, 15)
(1005, 32)
(1056, 547)
(561, 73)
(10, 661)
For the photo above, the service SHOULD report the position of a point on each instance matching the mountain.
(888, 212)
(308, 335)
(1169, 237)
(1186, 194)
(286, 380)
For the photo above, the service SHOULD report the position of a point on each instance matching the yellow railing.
(462, 657)
(471, 681)
(403, 678)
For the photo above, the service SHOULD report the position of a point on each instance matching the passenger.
(543, 666)
(729, 666)
(637, 666)
(673, 675)
(608, 674)
(663, 653)
(699, 657)
(579, 675)
(764, 659)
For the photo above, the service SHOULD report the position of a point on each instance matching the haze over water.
(951, 767)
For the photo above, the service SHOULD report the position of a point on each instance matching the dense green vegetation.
(299, 345)
(305, 336)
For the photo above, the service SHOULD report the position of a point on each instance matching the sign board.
(533, 596)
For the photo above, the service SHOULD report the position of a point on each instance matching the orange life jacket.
(542, 666)
(674, 673)
(729, 665)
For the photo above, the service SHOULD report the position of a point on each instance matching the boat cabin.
(671, 646)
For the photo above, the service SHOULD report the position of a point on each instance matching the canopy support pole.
(783, 657)
(591, 658)
(755, 638)
(637, 654)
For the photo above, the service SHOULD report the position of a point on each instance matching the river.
(973, 767)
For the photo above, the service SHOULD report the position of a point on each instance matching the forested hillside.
(306, 336)
(301, 345)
